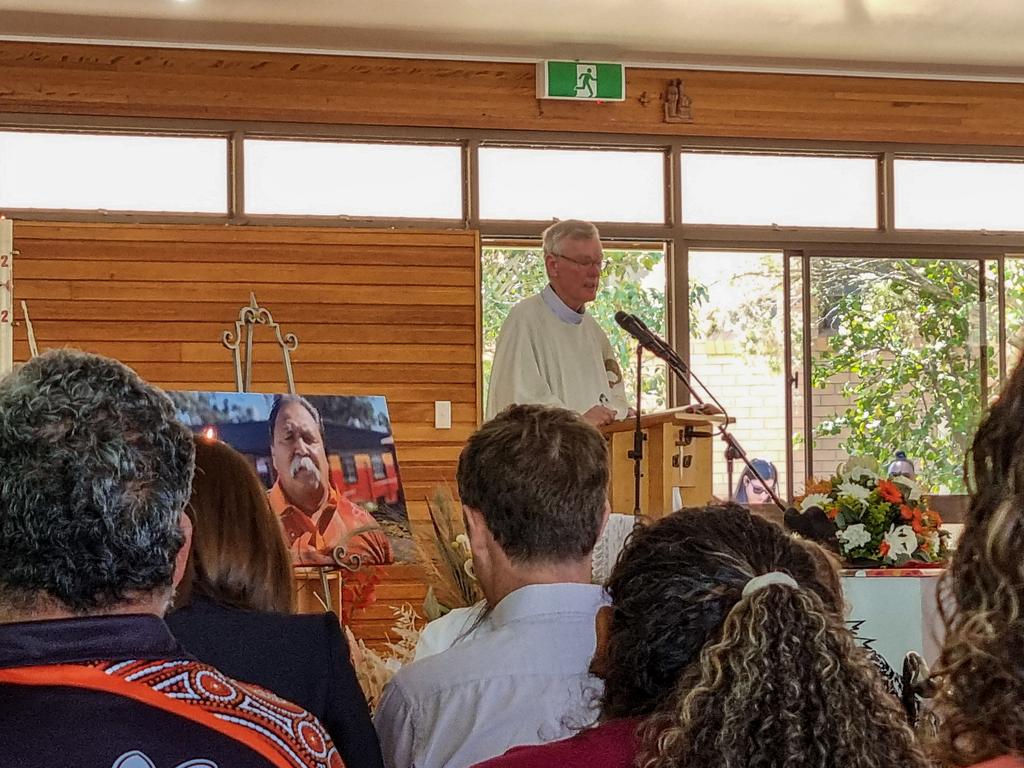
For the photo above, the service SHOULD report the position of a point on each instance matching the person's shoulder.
(532, 308)
(464, 663)
(609, 744)
(246, 712)
(444, 632)
(1006, 761)
(592, 326)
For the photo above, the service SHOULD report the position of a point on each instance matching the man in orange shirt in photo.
(321, 526)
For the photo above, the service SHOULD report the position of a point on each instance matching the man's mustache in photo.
(300, 463)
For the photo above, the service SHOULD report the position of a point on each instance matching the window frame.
(676, 236)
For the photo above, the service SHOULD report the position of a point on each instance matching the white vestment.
(551, 355)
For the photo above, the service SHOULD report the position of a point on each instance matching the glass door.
(889, 354)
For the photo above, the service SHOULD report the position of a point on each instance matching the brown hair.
(238, 556)
(539, 477)
(723, 679)
(981, 692)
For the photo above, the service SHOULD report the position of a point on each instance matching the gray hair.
(570, 229)
(94, 474)
(282, 400)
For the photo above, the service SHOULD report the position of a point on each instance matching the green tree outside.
(903, 337)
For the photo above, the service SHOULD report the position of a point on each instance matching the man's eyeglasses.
(585, 264)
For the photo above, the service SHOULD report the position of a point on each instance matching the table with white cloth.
(895, 610)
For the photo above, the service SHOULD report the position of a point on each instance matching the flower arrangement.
(878, 519)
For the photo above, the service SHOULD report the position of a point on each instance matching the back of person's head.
(981, 696)
(94, 473)
(733, 672)
(238, 556)
(569, 229)
(539, 478)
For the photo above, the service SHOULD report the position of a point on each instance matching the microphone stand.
(684, 373)
(730, 458)
(637, 454)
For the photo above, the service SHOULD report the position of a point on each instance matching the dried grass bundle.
(451, 566)
(375, 670)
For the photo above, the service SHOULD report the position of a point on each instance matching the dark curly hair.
(539, 477)
(94, 474)
(981, 693)
(723, 680)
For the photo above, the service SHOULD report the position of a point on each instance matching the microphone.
(638, 329)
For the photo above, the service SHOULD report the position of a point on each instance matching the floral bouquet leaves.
(878, 520)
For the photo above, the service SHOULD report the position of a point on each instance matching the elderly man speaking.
(550, 351)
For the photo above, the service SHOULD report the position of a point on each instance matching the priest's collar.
(562, 311)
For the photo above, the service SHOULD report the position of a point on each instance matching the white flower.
(911, 490)
(857, 467)
(901, 541)
(854, 536)
(854, 491)
(862, 473)
(819, 500)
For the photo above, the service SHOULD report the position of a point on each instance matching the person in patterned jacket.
(94, 476)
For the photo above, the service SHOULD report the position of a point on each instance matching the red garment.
(611, 744)
(1006, 761)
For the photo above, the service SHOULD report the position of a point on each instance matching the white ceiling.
(981, 39)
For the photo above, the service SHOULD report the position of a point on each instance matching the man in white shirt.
(533, 484)
(550, 351)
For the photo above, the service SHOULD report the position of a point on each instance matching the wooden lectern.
(677, 454)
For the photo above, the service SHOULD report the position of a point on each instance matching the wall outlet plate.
(442, 414)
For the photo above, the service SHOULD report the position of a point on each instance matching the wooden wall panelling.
(232, 85)
(387, 313)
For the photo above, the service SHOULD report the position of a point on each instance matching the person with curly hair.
(980, 697)
(724, 646)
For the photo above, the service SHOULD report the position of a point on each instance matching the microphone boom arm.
(657, 346)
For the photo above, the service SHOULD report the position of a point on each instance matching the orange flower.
(889, 492)
(817, 486)
(918, 524)
(883, 548)
(907, 513)
(832, 512)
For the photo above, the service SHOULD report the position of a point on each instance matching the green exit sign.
(581, 80)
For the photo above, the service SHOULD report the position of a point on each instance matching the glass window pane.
(113, 173)
(942, 194)
(322, 178)
(633, 281)
(896, 363)
(789, 191)
(736, 349)
(596, 185)
(1014, 311)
